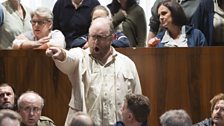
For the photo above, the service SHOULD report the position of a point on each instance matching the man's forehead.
(31, 102)
(99, 31)
(100, 23)
(220, 102)
(6, 89)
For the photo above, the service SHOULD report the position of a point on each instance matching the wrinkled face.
(99, 13)
(99, 39)
(41, 26)
(165, 17)
(218, 113)
(7, 97)
(30, 110)
(9, 122)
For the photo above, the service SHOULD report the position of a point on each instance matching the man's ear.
(51, 26)
(114, 36)
(130, 116)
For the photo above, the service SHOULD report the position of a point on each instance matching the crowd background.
(145, 4)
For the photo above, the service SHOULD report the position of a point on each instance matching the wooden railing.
(172, 78)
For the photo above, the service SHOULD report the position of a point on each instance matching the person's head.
(136, 108)
(42, 22)
(171, 13)
(175, 118)
(217, 109)
(81, 119)
(7, 96)
(30, 106)
(125, 4)
(101, 34)
(9, 118)
(100, 11)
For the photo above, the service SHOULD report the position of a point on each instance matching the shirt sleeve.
(57, 39)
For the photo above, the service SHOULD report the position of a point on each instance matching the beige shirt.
(13, 25)
(57, 39)
(99, 89)
(179, 42)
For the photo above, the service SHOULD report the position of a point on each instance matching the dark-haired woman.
(177, 33)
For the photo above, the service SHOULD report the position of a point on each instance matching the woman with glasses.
(41, 36)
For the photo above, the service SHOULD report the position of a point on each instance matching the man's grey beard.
(8, 106)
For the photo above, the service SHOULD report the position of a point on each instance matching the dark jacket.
(206, 122)
(194, 37)
(199, 13)
(72, 22)
(119, 123)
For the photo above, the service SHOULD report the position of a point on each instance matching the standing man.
(7, 97)
(73, 18)
(30, 105)
(100, 76)
(217, 112)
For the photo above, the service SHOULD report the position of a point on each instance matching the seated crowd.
(90, 26)
(26, 111)
(172, 24)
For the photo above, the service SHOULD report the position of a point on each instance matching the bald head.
(81, 119)
(32, 97)
(103, 24)
(30, 106)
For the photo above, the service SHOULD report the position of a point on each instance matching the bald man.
(100, 76)
(81, 119)
(30, 105)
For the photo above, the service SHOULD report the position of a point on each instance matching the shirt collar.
(111, 58)
(167, 37)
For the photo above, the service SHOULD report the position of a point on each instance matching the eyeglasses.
(32, 109)
(99, 37)
(39, 22)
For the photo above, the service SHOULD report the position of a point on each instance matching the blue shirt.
(71, 21)
(1, 15)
